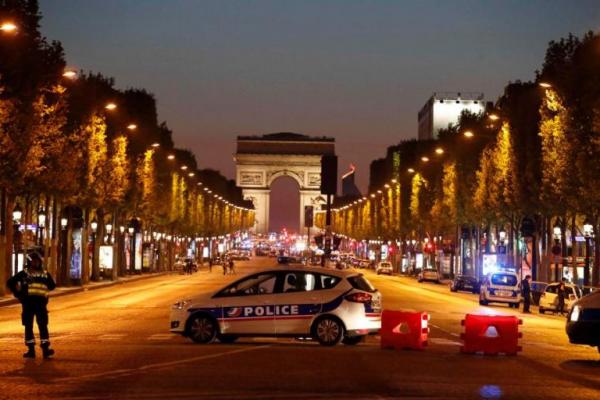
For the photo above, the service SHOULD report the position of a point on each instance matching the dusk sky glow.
(355, 70)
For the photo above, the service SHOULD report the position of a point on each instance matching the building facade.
(444, 108)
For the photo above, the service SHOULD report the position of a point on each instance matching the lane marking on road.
(161, 336)
(132, 371)
(111, 336)
(445, 331)
(444, 342)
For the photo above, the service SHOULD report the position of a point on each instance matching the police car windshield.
(504, 280)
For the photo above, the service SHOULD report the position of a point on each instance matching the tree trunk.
(85, 256)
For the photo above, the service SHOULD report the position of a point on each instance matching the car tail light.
(359, 297)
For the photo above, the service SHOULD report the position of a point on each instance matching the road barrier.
(404, 330)
(491, 334)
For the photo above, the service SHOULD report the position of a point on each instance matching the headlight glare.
(575, 313)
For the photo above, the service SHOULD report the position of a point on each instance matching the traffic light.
(308, 216)
(329, 174)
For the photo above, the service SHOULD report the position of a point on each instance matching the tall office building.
(444, 108)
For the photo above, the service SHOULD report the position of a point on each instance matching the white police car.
(327, 305)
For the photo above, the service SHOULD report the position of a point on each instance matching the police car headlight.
(180, 305)
(575, 314)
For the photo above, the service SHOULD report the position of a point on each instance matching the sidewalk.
(63, 291)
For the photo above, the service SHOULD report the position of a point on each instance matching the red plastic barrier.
(404, 330)
(491, 334)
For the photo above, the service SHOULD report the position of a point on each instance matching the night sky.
(355, 70)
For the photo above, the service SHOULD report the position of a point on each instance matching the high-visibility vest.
(37, 283)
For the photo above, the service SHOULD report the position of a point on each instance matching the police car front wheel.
(202, 329)
(328, 331)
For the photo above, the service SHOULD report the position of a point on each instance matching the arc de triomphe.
(260, 160)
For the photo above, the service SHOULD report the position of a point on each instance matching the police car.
(327, 305)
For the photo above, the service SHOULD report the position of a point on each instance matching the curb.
(80, 289)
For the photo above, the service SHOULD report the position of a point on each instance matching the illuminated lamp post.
(16, 214)
(588, 232)
(94, 227)
(556, 249)
(131, 231)
(41, 226)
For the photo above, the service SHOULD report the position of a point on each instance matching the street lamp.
(63, 223)
(17, 214)
(468, 134)
(131, 230)
(439, 151)
(588, 232)
(557, 249)
(132, 127)
(41, 224)
(70, 74)
(8, 27)
(94, 225)
(545, 85)
(110, 106)
(108, 227)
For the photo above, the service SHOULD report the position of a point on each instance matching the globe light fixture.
(17, 214)
(94, 225)
(588, 229)
(63, 223)
(41, 218)
(110, 106)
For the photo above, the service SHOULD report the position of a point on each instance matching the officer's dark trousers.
(35, 306)
(526, 303)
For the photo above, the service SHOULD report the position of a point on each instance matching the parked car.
(500, 287)
(583, 321)
(465, 283)
(429, 274)
(549, 299)
(384, 267)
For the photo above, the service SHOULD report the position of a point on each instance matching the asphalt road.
(114, 343)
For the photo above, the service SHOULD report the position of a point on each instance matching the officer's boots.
(30, 351)
(46, 350)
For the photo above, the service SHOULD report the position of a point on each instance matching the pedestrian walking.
(31, 287)
(210, 263)
(526, 293)
(561, 295)
(231, 266)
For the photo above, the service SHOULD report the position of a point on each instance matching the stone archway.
(262, 159)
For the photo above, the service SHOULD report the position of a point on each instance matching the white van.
(500, 287)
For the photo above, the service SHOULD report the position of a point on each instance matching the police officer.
(31, 287)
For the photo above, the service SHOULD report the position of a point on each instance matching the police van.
(327, 305)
